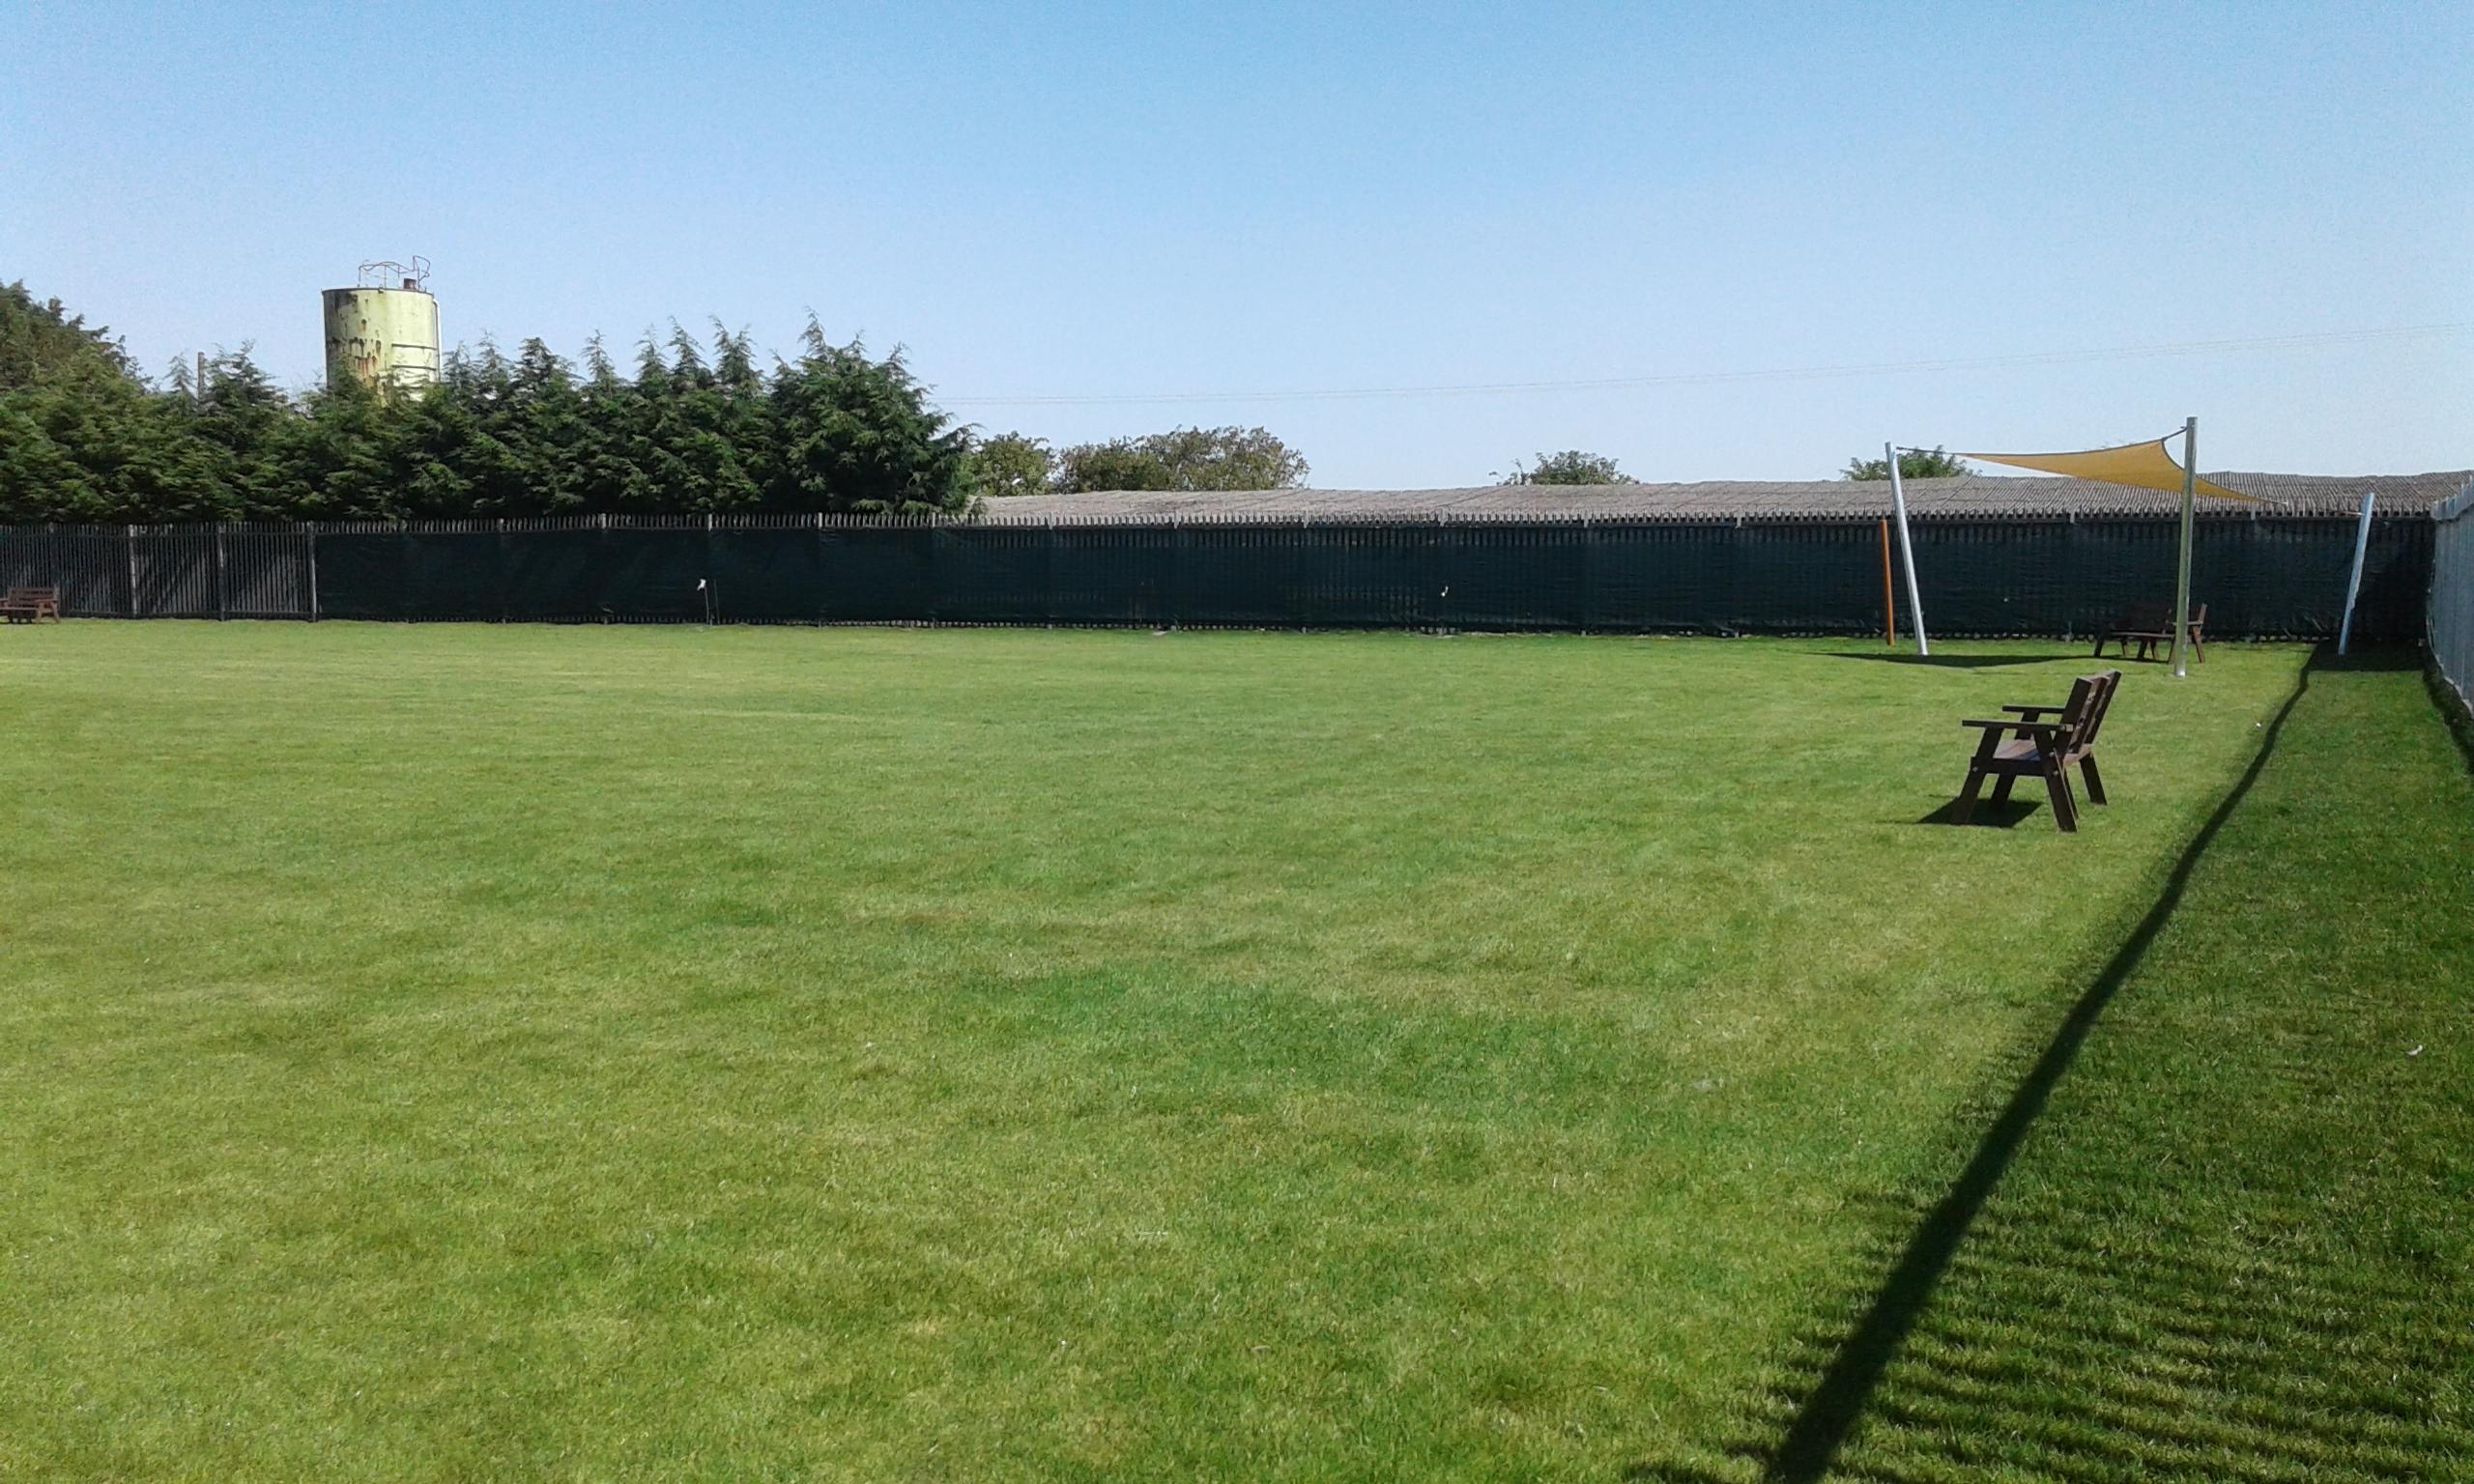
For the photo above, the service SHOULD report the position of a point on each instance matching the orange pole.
(1889, 593)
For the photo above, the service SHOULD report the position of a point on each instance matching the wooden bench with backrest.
(2151, 626)
(2027, 745)
(28, 604)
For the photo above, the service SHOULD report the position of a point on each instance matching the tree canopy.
(697, 427)
(1230, 458)
(1011, 464)
(42, 343)
(1912, 464)
(1569, 466)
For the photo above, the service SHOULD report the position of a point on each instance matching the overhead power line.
(1723, 378)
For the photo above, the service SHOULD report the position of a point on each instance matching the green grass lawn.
(454, 1052)
(2229, 1228)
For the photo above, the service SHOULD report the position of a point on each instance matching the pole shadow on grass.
(1820, 1419)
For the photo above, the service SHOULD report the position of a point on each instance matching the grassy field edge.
(2100, 1280)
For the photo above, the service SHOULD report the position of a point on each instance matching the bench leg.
(2002, 789)
(2095, 783)
(1966, 797)
(2065, 809)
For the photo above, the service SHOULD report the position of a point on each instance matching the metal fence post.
(222, 590)
(131, 535)
(313, 571)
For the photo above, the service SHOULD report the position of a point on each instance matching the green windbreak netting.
(885, 575)
(2272, 575)
(1005, 575)
(1667, 578)
(1803, 580)
(652, 574)
(1095, 574)
(1508, 577)
(767, 576)
(552, 576)
(363, 577)
(460, 577)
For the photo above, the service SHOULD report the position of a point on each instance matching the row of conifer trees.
(688, 427)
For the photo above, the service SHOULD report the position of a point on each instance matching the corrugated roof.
(1974, 495)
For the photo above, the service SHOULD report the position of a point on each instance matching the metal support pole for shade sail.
(2183, 573)
(2353, 584)
(1906, 548)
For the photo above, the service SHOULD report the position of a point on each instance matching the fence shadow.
(2452, 709)
(1945, 660)
(2367, 657)
(1837, 1370)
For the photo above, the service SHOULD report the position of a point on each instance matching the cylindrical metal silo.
(384, 332)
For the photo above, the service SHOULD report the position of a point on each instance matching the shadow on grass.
(1944, 661)
(2453, 709)
(2379, 657)
(1820, 1416)
(2004, 815)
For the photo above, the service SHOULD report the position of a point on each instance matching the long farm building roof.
(1973, 494)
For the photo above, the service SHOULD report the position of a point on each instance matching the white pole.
(2182, 570)
(2353, 584)
(1905, 549)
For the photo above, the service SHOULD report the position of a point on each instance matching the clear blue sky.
(1094, 201)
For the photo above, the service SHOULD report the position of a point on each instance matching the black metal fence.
(2260, 576)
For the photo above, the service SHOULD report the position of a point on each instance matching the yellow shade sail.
(2142, 466)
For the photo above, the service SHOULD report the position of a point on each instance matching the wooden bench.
(2027, 745)
(2151, 625)
(29, 605)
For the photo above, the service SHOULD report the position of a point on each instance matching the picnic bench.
(28, 604)
(2151, 626)
(2026, 744)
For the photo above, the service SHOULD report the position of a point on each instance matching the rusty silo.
(384, 330)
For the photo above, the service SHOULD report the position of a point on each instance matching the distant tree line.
(82, 438)
(1572, 465)
(688, 427)
(1230, 458)
(1912, 464)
